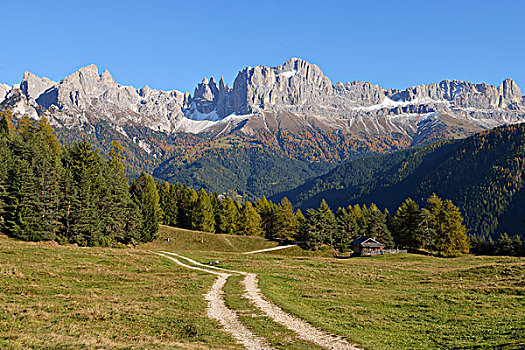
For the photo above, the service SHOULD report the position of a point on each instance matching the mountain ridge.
(296, 86)
(483, 174)
(292, 110)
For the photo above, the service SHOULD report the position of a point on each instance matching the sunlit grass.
(398, 301)
(56, 297)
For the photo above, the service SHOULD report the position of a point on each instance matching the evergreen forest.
(75, 194)
(484, 175)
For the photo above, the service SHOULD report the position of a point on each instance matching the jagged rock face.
(87, 95)
(295, 97)
(4, 89)
(33, 86)
(465, 94)
(293, 85)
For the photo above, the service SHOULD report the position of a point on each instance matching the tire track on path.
(303, 329)
(217, 309)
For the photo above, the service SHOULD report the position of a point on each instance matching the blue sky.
(174, 44)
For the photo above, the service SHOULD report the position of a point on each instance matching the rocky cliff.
(289, 106)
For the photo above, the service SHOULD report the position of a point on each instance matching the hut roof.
(367, 242)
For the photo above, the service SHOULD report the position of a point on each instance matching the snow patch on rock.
(289, 74)
(388, 103)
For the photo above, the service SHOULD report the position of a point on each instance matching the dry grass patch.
(56, 297)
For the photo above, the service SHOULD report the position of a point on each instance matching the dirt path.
(217, 310)
(303, 329)
(270, 249)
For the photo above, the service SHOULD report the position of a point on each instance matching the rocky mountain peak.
(33, 86)
(207, 90)
(4, 89)
(91, 69)
(222, 85)
(106, 76)
(510, 90)
(145, 91)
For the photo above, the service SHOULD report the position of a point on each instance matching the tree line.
(504, 245)
(70, 194)
(437, 228)
(74, 194)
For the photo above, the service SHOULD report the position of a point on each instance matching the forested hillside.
(249, 171)
(70, 194)
(483, 175)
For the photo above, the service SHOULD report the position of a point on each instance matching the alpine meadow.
(267, 202)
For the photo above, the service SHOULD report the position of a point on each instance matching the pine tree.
(327, 221)
(505, 245)
(5, 160)
(285, 224)
(320, 226)
(457, 232)
(146, 196)
(48, 170)
(311, 237)
(120, 213)
(228, 216)
(428, 234)
(361, 217)
(267, 210)
(376, 226)
(517, 244)
(22, 218)
(83, 189)
(301, 224)
(187, 198)
(164, 192)
(203, 214)
(447, 223)
(346, 230)
(406, 225)
(170, 209)
(490, 247)
(389, 220)
(251, 220)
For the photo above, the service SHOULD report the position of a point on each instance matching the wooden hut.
(366, 246)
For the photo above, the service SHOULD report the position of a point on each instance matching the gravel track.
(303, 329)
(270, 249)
(218, 310)
(228, 318)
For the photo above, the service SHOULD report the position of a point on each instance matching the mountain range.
(288, 114)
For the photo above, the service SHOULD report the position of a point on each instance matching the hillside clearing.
(99, 298)
(229, 318)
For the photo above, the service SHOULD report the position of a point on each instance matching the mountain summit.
(292, 109)
(296, 87)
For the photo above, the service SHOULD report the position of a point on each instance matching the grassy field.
(55, 297)
(186, 240)
(66, 297)
(399, 301)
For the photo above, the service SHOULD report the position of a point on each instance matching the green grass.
(187, 240)
(67, 297)
(399, 301)
(276, 335)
